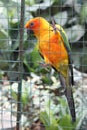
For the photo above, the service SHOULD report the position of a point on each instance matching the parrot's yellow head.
(33, 23)
(38, 25)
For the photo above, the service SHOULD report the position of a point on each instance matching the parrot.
(55, 49)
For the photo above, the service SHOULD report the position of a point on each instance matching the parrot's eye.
(32, 24)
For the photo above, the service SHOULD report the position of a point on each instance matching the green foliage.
(83, 13)
(60, 15)
(32, 59)
(71, 24)
(49, 121)
(25, 93)
(65, 123)
(4, 46)
(3, 37)
(46, 79)
(74, 34)
(14, 95)
(13, 31)
(60, 122)
(58, 116)
(25, 97)
(83, 62)
(30, 2)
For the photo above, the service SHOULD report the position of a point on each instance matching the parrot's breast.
(53, 51)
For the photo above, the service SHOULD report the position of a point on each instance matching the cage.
(32, 96)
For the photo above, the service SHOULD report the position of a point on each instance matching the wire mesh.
(29, 92)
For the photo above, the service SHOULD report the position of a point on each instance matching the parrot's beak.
(28, 31)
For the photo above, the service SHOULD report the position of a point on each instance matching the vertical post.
(21, 31)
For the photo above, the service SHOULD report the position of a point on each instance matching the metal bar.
(19, 103)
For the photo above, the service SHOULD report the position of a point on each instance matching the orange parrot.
(54, 48)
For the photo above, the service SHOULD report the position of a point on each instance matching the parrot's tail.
(70, 100)
(69, 95)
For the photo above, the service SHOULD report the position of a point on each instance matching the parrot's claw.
(57, 91)
(44, 65)
(61, 91)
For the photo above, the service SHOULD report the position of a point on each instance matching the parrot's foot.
(44, 65)
(61, 91)
(58, 91)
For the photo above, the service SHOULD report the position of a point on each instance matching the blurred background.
(41, 107)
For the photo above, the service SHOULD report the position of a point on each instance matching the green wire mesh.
(28, 92)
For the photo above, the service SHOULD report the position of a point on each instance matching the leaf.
(42, 6)
(75, 33)
(10, 2)
(69, 3)
(25, 96)
(4, 46)
(34, 59)
(49, 120)
(83, 62)
(14, 95)
(83, 13)
(3, 23)
(3, 39)
(66, 123)
(72, 21)
(61, 18)
(30, 2)
(13, 32)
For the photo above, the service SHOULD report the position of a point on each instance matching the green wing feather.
(64, 37)
(68, 81)
(68, 92)
(67, 46)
